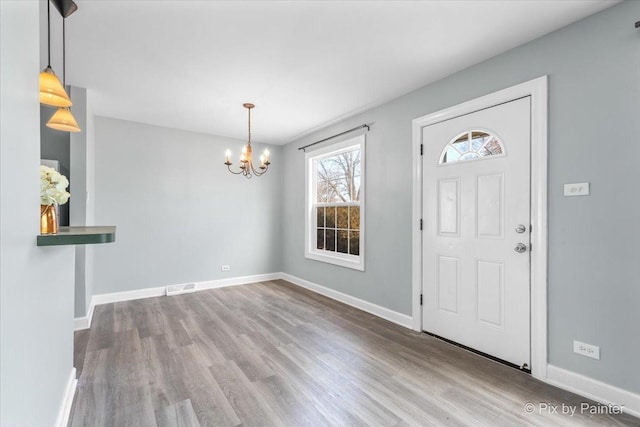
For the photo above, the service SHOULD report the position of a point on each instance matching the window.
(335, 204)
(471, 145)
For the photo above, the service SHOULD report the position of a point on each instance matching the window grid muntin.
(335, 228)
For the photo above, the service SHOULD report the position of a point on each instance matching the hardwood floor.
(273, 354)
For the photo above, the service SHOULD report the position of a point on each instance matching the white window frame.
(355, 262)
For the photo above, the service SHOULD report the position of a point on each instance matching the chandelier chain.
(249, 142)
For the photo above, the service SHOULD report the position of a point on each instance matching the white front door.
(476, 238)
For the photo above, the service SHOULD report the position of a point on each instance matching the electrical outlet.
(576, 189)
(225, 267)
(592, 351)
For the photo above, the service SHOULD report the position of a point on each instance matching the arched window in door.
(471, 145)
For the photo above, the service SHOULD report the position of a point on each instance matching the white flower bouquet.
(53, 187)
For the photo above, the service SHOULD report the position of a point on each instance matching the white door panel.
(475, 286)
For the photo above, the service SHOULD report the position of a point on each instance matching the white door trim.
(537, 89)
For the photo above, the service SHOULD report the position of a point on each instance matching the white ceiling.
(192, 64)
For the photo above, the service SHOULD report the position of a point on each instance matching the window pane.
(330, 240)
(322, 191)
(354, 242)
(451, 155)
(343, 241)
(356, 184)
(342, 213)
(352, 174)
(470, 156)
(461, 138)
(320, 238)
(462, 143)
(330, 217)
(339, 177)
(478, 139)
(354, 217)
(333, 191)
(320, 217)
(491, 148)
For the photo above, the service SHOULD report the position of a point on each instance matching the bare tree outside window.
(339, 178)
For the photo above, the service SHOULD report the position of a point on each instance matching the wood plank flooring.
(273, 354)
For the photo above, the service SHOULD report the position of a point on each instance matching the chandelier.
(246, 160)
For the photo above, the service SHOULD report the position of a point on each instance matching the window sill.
(355, 263)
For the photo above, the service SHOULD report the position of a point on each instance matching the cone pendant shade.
(51, 90)
(63, 120)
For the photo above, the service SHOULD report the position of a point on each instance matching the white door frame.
(537, 89)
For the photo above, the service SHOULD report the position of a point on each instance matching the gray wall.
(36, 283)
(179, 213)
(79, 149)
(594, 102)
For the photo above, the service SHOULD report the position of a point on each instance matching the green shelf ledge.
(79, 236)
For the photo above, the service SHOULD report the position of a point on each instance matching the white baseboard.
(244, 280)
(80, 323)
(593, 389)
(85, 322)
(65, 408)
(160, 290)
(100, 299)
(385, 313)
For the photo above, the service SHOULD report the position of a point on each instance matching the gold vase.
(48, 219)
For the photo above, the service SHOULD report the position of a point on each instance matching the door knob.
(520, 247)
(521, 228)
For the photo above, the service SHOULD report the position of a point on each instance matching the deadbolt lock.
(521, 228)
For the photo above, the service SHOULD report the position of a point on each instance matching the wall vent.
(180, 289)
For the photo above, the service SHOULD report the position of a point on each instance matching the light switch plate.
(576, 189)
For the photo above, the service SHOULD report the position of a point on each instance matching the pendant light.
(63, 119)
(51, 90)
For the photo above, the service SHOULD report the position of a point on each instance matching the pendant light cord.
(48, 33)
(64, 55)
